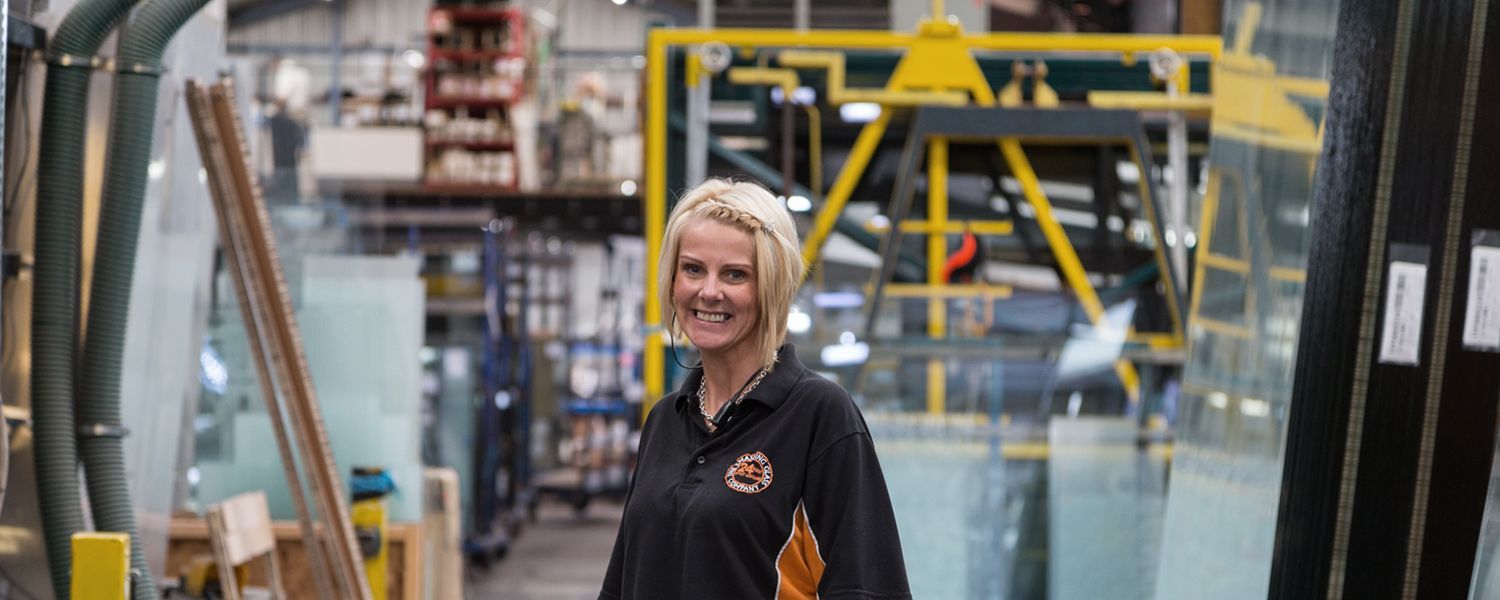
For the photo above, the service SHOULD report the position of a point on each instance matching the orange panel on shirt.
(800, 564)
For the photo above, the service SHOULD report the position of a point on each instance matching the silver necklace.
(708, 419)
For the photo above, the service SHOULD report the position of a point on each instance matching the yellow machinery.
(938, 68)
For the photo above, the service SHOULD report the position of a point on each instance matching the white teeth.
(711, 317)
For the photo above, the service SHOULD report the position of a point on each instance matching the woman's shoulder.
(814, 387)
(826, 400)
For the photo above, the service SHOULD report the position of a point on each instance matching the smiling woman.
(758, 478)
(714, 291)
(718, 214)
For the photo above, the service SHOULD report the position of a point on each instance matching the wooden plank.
(1202, 17)
(443, 528)
(245, 521)
(217, 536)
(410, 560)
(215, 158)
(239, 531)
(286, 352)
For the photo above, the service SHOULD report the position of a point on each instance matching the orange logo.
(750, 474)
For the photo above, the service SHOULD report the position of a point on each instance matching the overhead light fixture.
(798, 321)
(212, 374)
(1218, 400)
(859, 112)
(1255, 407)
(802, 95)
(619, 2)
(843, 355)
(414, 58)
(838, 300)
(798, 204)
(627, 187)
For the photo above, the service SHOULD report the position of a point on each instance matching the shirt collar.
(771, 392)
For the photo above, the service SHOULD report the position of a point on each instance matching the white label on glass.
(1402, 335)
(1482, 314)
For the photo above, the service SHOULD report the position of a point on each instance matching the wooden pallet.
(188, 540)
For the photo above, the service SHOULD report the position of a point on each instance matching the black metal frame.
(1387, 465)
(979, 124)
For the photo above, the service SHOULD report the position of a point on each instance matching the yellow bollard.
(101, 566)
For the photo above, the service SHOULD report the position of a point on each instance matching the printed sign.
(1401, 337)
(1482, 313)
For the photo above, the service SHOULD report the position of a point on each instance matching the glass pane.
(1220, 518)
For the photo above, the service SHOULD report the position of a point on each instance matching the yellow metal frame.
(786, 79)
(837, 93)
(1208, 259)
(1151, 101)
(977, 227)
(937, 255)
(938, 66)
(1251, 104)
(946, 291)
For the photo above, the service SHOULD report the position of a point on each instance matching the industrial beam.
(909, 268)
(255, 12)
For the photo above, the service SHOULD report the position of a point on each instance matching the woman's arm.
(849, 514)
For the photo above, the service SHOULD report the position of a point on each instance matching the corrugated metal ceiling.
(825, 14)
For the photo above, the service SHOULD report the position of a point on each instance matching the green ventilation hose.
(132, 125)
(54, 317)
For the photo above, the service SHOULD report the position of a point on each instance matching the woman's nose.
(710, 289)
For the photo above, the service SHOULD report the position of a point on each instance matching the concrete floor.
(560, 557)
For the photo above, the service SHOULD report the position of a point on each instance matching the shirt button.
(702, 460)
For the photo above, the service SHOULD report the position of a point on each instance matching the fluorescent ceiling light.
(859, 112)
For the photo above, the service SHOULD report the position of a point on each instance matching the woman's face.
(714, 289)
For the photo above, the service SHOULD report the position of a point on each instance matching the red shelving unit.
(475, 145)
(476, 73)
(473, 102)
(459, 55)
(483, 15)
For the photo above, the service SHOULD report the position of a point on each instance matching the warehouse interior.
(1139, 299)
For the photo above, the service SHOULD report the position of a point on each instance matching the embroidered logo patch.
(750, 474)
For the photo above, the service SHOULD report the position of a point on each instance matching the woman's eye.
(692, 269)
(736, 275)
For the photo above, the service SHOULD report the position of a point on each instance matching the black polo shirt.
(786, 500)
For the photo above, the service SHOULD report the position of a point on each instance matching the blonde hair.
(778, 254)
